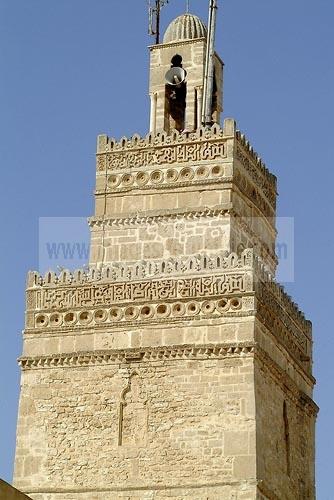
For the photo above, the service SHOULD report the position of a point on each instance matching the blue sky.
(71, 69)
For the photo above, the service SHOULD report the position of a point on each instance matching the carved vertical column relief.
(133, 413)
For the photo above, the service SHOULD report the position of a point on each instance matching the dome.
(185, 27)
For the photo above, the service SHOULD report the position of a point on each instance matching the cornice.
(177, 43)
(155, 216)
(103, 357)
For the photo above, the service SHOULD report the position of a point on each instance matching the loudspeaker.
(175, 76)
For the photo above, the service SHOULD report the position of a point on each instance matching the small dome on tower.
(185, 27)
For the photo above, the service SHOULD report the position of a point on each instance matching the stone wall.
(161, 239)
(151, 424)
(285, 436)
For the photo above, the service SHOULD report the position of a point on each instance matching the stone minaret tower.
(175, 367)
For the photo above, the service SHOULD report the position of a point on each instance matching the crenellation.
(137, 270)
(265, 171)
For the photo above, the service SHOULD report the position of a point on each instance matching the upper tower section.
(177, 73)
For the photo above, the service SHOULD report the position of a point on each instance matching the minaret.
(178, 104)
(175, 367)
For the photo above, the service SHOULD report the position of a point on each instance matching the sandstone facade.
(175, 367)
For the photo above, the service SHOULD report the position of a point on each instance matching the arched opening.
(175, 95)
(133, 413)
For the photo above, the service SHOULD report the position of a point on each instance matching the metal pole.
(157, 31)
(209, 65)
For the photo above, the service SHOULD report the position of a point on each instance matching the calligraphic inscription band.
(180, 153)
(109, 293)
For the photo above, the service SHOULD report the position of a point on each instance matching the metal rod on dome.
(209, 65)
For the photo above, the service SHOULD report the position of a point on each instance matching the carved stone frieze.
(118, 315)
(94, 295)
(166, 178)
(165, 155)
(131, 355)
(156, 216)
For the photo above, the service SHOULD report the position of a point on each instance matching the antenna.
(154, 17)
(209, 65)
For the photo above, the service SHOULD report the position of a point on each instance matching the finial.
(187, 6)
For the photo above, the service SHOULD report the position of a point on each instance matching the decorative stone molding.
(131, 271)
(101, 295)
(108, 144)
(152, 217)
(178, 43)
(167, 154)
(175, 177)
(147, 312)
(104, 357)
(173, 153)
